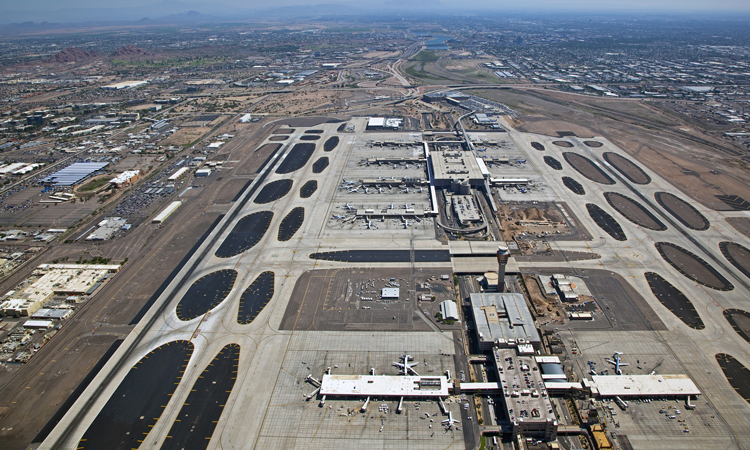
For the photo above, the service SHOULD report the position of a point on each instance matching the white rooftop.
(643, 385)
(376, 122)
(389, 293)
(449, 310)
(385, 386)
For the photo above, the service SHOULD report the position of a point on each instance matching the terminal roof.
(643, 385)
(385, 386)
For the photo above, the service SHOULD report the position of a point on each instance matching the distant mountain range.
(175, 11)
(153, 11)
(171, 12)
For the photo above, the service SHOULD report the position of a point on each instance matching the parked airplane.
(450, 421)
(356, 189)
(406, 366)
(406, 223)
(617, 363)
(369, 224)
(335, 216)
(349, 208)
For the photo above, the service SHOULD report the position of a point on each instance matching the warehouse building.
(449, 310)
(74, 173)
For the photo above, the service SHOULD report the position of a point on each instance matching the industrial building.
(74, 173)
(504, 321)
(449, 310)
(166, 212)
(123, 85)
(126, 178)
(55, 279)
(178, 174)
(107, 228)
(384, 123)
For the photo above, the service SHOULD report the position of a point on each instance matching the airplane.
(406, 206)
(391, 206)
(420, 190)
(617, 363)
(406, 190)
(367, 190)
(450, 421)
(369, 224)
(406, 223)
(356, 189)
(380, 190)
(406, 366)
(348, 208)
(335, 216)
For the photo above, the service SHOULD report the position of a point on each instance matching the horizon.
(82, 11)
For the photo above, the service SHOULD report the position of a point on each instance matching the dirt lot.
(587, 168)
(693, 267)
(297, 102)
(628, 168)
(691, 160)
(741, 224)
(185, 136)
(682, 211)
(544, 305)
(541, 125)
(634, 211)
(738, 255)
(531, 220)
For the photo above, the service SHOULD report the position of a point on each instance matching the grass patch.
(94, 184)
(349, 30)
(427, 56)
(178, 62)
(417, 71)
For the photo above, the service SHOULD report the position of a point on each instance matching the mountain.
(126, 13)
(72, 54)
(130, 51)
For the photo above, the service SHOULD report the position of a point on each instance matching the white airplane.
(406, 206)
(406, 190)
(450, 421)
(380, 190)
(369, 224)
(351, 191)
(335, 216)
(367, 190)
(406, 223)
(406, 366)
(617, 363)
(348, 208)
(391, 207)
(420, 190)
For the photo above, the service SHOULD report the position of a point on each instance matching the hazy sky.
(663, 5)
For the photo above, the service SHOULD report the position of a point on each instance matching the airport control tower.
(502, 260)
